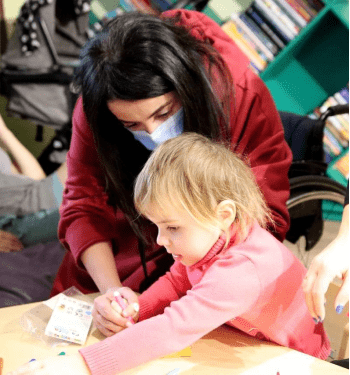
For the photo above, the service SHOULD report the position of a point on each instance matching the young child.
(228, 269)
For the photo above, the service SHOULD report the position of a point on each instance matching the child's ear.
(226, 213)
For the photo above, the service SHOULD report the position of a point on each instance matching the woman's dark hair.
(139, 56)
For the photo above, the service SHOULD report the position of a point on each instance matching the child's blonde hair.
(196, 174)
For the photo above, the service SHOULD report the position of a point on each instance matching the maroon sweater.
(256, 132)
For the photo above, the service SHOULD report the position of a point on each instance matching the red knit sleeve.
(86, 218)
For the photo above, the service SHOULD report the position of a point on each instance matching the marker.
(118, 298)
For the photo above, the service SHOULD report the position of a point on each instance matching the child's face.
(181, 235)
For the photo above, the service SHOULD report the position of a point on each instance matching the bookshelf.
(309, 69)
(315, 64)
(336, 137)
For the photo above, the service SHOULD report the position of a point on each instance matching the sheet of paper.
(291, 363)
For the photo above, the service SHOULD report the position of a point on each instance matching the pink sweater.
(254, 286)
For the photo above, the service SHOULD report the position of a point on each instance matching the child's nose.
(162, 240)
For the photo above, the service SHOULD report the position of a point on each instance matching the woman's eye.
(164, 115)
(130, 126)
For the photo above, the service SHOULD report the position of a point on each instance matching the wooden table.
(224, 351)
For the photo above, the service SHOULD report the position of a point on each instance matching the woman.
(144, 80)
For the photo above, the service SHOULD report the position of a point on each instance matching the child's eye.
(172, 229)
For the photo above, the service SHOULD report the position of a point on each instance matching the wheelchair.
(316, 201)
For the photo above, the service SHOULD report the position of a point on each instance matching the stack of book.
(267, 26)
(336, 133)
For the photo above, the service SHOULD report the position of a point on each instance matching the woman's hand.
(60, 365)
(9, 242)
(109, 317)
(332, 262)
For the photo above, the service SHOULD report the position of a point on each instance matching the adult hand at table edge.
(330, 263)
(59, 365)
(107, 314)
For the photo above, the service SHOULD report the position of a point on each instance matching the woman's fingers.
(343, 295)
(318, 292)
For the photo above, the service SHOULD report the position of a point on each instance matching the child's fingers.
(116, 307)
(132, 310)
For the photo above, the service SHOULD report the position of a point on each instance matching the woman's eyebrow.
(160, 108)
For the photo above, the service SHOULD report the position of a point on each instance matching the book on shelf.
(273, 20)
(300, 9)
(332, 142)
(342, 165)
(344, 92)
(336, 132)
(257, 43)
(316, 4)
(144, 6)
(259, 33)
(292, 13)
(265, 27)
(283, 17)
(308, 6)
(230, 29)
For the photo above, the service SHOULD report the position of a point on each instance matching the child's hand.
(109, 317)
(9, 242)
(60, 365)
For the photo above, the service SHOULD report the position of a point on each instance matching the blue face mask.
(170, 128)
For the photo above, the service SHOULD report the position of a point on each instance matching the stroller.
(38, 66)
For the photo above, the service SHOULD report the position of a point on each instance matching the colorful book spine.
(258, 43)
(274, 21)
(259, 33)
(292, 13)
(332, 141)
(144, 7)
(340, 99)
(260, 22)
(230, 29)
(344, 92)
(296, 6)
(315, 4)
(281, 15)
(311, 11)
(337, 131)
(342, 165)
